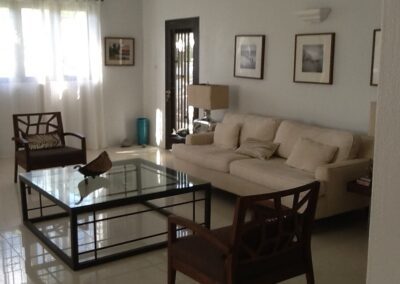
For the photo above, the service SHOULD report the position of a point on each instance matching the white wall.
(384, 252)
(345, 104)
(122, 88)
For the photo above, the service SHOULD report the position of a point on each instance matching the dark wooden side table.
(177, 139)
(353, 186)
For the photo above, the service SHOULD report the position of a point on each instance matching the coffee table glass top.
(125, 179)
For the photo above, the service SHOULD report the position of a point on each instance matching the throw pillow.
(257, 148)
(226, 135)
(44, 141)
(308, 155)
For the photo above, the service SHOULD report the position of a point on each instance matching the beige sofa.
(242, 175)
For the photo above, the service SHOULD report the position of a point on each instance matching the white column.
(384, 238)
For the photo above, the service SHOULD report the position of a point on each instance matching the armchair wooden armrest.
(197, 229)
(21, 142)
(79, 136)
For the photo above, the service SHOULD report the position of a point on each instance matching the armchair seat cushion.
(208, 156)
(204, 257)
(44, 158)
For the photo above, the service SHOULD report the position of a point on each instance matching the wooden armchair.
(267, 243)
(40, 142)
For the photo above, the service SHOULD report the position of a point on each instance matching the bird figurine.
(96, 167)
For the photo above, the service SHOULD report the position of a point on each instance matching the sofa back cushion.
(226, 135)
(289, 132)
(232, 117)
(258, 127)
(253, 126)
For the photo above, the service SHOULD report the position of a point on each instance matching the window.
(74, 42)
(7, 55)
(44, 44)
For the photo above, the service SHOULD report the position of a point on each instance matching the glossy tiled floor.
(339, 248)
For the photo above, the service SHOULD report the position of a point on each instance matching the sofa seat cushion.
(272, 173)
(289, 132)
(208, 156)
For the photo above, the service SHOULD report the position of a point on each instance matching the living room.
(139, 90)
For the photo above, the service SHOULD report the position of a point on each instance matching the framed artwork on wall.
(119, 51)
(313, 58)
(376, 55)
(249, 56)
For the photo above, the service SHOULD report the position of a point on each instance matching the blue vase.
(142, 125)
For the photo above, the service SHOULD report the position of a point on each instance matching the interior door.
(182, 69)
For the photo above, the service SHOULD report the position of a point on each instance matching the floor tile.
(339, 248)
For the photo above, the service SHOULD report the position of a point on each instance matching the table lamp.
(207, 97)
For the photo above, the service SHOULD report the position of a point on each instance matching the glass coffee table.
(118, 214)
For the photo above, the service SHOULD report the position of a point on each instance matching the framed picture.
(376, 55)
(119, 51)
(313, 58)
(249, 56)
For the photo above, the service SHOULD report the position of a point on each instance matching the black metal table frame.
(73, 260)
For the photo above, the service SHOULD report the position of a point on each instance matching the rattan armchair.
(40, 142)
(267, 243)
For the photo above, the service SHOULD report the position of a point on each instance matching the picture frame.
(314, 58)
(249, 56)
(376, 55)
(119, 51)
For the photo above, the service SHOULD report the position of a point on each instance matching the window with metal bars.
(184, 43)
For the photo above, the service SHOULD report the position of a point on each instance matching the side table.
(353, 186)
(178, 139)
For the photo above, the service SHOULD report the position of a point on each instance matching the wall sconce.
(316, 15)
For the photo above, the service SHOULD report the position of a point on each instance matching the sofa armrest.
(344, 170)
(200, 138)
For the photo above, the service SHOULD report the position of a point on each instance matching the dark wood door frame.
(171, 28)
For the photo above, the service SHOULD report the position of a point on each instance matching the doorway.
(181, 70)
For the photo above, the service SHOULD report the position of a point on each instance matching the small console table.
(355, 187)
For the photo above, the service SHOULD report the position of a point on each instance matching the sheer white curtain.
(50, 60)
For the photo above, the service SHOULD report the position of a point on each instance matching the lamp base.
(207, 115)
(204, 124)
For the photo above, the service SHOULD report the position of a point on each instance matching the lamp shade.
(208, 97)
(372, 118)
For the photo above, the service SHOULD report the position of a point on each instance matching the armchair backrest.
(264, 229)
(38, 123)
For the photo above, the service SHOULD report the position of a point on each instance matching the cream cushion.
(258, 127)
(44, 141)
(308, 155)
(273, 173)
(289, 132)
(257, 149)
(226, 135)
(232, 117)
(208, 156)
(253, 126)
